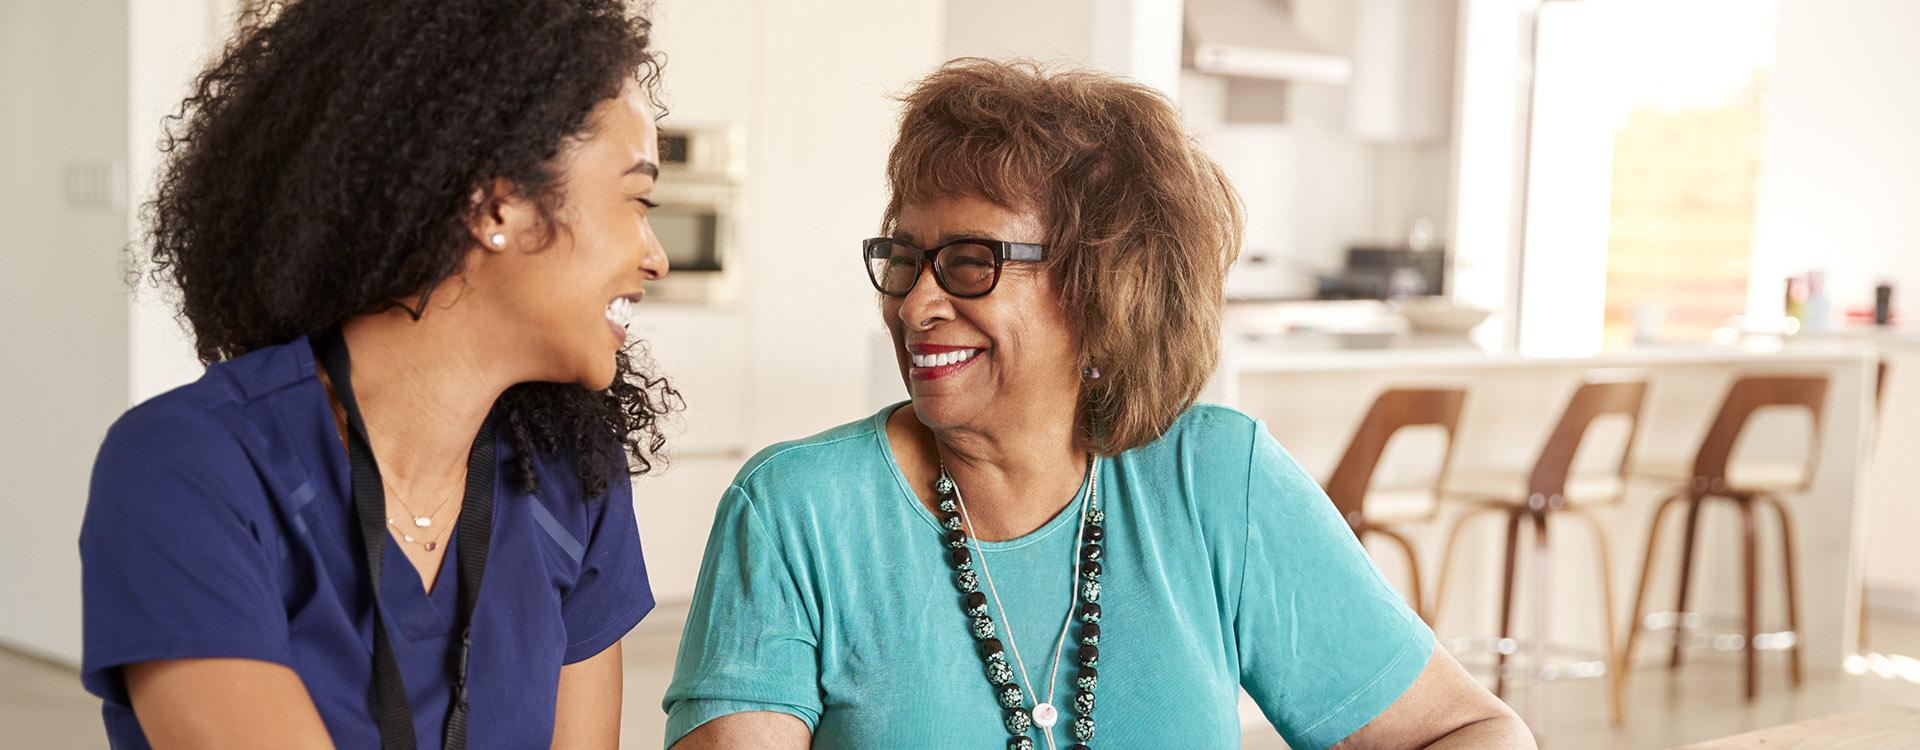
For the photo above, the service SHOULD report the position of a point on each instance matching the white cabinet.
(703, 353)
(1402, 87)
(675, 512)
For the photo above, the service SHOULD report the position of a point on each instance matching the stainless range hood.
(1257, 39)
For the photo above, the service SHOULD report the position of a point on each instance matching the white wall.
(1840, 170)
(1139, 39)
(168, 42)
(122, 66)
(61, 291)
(1060, 30)
(1839, 187)
(822, 122)
(1489, 120)
(1563, 274)
(1890, 562)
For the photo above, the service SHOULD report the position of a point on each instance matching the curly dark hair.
(323, 167)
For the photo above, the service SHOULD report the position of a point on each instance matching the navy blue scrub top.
(221, 524)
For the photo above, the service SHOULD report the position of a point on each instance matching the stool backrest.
(1749, 394)
(1393, 410)
(1592, 400)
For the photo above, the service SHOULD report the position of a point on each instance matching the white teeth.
(943, 359)
(620, 311)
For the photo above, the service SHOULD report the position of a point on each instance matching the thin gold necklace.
(423, 521)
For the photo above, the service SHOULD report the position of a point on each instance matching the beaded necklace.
(1018, 719)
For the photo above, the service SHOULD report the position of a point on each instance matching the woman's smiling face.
(571, 298)
(976, 362)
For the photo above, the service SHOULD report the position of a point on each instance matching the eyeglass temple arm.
(1025, 251)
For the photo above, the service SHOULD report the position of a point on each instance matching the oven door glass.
(691, 236)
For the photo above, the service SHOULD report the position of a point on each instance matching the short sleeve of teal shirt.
(1326, 644)
(750, 643)
(825, 596)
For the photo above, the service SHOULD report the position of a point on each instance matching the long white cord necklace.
(1045, 713)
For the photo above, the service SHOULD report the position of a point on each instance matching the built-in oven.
(702, 173)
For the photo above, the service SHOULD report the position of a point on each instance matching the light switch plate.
(93, 183)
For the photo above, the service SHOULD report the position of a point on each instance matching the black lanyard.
(370, 503)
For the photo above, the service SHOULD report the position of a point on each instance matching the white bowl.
(1439, 315)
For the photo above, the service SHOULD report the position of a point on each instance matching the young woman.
(396, 510)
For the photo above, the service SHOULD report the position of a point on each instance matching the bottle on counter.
(1883, 304)
(1819, 305)
(1796, 302)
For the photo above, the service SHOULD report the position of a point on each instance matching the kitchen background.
(1432, 186)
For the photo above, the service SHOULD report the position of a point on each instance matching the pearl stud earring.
(498, 239)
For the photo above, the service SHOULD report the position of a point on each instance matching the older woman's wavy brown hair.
(1141, 225)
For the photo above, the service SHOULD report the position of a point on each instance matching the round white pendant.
(422, 521)
(1045, 715)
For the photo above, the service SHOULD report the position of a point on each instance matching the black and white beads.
(973, 604)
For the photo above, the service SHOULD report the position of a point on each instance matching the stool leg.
(1750, 566)
(1446, 555)
(1506, 603)
(1413, 570)
(1793, 599)
(1859, 589)
(1616, 669)
(1686, 577)
(1536, 714)
(1640, 592)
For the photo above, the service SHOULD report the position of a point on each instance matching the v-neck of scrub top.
(418, 614)
(421, 613)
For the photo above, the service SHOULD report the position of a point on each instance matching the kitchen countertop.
(1251, 357)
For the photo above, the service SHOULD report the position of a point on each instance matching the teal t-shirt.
(827, 594)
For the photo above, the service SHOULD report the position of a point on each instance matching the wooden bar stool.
(1545, 496)
(1709, 481)
(1392, 411)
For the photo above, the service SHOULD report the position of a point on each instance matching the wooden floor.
(42, 705)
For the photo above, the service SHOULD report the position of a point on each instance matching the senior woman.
(1050, 545)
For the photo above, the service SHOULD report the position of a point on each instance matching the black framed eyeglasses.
(967, 267)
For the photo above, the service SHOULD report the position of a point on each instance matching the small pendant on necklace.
(422, 521)
(1045, 715)
(408, 539)
(432, 545)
